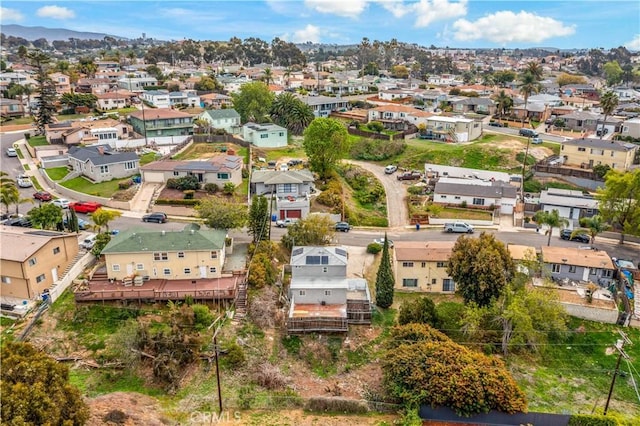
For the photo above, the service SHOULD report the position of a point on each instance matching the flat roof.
(578, 257)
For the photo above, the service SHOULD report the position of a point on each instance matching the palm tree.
(290, 112)
(593, 226)
(503, 103)
(528, 85)
(102, 217)
(268, 75)
(608, 102)
(287, 76)
(8, 195)
(552, 219)
(535, 69)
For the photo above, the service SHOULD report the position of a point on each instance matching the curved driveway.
(396, 190)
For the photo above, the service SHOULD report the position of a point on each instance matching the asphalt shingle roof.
(92, 153)
(496, 190)
(191, 238)
(601, 144)
(217, 114)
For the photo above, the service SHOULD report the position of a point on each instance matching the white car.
(24, 182)
(11, 152)
(381, 242)
(63, 203)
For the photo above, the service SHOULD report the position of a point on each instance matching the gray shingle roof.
(496, 190)
(93, 154)
(601, 144)
(276, 177)
(216, 114)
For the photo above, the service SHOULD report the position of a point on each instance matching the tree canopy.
(289, 111)
(619, 202)
(552, 219)
(314, 230)
(384, 279)
(222, 214)
(419, 311)
(36, 389)
(47, 216)
(253, 102)
(424, 366)
(102, 217)
(325, 141)
(258, 221)
(481, 267)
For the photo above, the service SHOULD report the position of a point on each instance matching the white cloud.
(396, 7)
(508, 27)
(56, 12)
(633, 44)
(309, 33)
(429, 11)
(346, 8)
(10, 15)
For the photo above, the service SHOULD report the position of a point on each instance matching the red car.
(85, 206)
(42, 196)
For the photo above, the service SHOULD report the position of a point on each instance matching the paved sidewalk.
(142, 199)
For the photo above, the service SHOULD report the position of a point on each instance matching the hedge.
(591, 420)
(177, 202)
(336, 405)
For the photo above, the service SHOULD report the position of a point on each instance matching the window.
(104, 169)
(40, 278)
(187, 271)
(213, 270)
(6, 280)
(325, 269)
(581, 149)
(434, 281)
(281, 134)
(407, 264)
(56, 250)
(180, 255)
(613, 153)
(478, 201)
(264, 136)
(214, 254)
(448, 285)
(443, 197)
(139, 266)
(440, 265)
(555, 267)
(223, 176)
(572, 268)
(166, 271)
(33, 261)
(410, 282)
(115, 267)
(285, 187)
(592, 271)
(607, 273)
(317, 260)
(327, 292)
(456, 198)
(130, 165)
(176, 173)
(424, 264)
(302, 293)
(161, 256)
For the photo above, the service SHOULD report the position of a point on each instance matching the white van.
(89, 242)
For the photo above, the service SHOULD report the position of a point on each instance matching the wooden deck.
(306, 318)
(159, 290)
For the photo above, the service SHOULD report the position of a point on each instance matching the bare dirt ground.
(126, 409)
(516, 146)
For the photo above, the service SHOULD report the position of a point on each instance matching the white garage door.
(153, 177)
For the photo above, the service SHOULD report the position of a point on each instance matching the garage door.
(294, 214)
(506, 209)
(153, 177)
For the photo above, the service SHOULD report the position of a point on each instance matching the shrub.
(245, 173)
(211, 188)
(292, 344)
(228, 188)
(234, 356)
(415, 190)
(463, 204)
(377, 150)
(27, 135)
(203, 317)
(183, 183)
(591, 420)
(374, 248)
(189, 194)
(169, 202)
(375, 126)
(125, 184)
(336, 405)
(269, 376)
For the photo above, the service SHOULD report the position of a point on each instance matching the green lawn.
(71, 117)
(20, 154)
(57, 173)
(289, 151)
(38, 141)
(469, 214)
(18, 121)
(102, 189)
(148, 158)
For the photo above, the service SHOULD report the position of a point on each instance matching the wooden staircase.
(241, 303)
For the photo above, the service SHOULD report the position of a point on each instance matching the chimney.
(101, 150)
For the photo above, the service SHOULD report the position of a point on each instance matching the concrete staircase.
(72, 263)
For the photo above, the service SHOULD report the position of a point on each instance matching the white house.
(136, 84)
(477, 193)
(438, 170)
(631, 128)
(267, 135)
(227, 119)
(571, 205)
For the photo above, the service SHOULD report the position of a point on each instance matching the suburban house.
(581, 121)
(571, 205)
(166, 99)
(99, 163)
(322, 297)
(589, 152)
(220, 169)
(438, 171)
(422, 266)
(191, 253)
(32, 260)
(576, 264)
(62, 82)
(87, 132)
(476, 193)
(393, 116)
(267, 135)
(136, 84)
(161, 122)
(474, 105)
(522, 256)
(11, 108)
(631, 128)
(111, 100)
(216, 101)
(290, 188)
(324, 105)
(444, 128)
(93, 85)
(226, 119)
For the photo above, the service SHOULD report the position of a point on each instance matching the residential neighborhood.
(488, 198)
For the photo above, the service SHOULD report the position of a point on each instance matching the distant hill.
(51, 34)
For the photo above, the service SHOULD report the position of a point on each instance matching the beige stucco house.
(31, 260)
(589, 152)
(422, 266)
(219, 170)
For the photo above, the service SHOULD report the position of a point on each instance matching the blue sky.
(452, 23)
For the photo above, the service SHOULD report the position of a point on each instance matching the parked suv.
(343, 227)
(155, 217)
(565, 234)
(528, 133)
(390, 169)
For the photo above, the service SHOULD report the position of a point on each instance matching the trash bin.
(417, 226)
(274, 217)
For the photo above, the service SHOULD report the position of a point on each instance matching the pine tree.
(259, 218)
(73, 221)
(384, 280)
(46, 89)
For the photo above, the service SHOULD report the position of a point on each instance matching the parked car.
(294, 162)
(25, 183)
(602, 132)
(381, 242)
(157, 217)
(536, 141)
(409, 176)
(459, 227)
(63, 203)
(343, 227)
(580, 237)
(495, 124)
(390, 169)
(89, 242)
(42, 196)
(19, 221)
(11, 152)
(84, 206)
(283, 223)
(82, 224)
(528, 133)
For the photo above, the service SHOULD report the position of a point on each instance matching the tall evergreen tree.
(46, 89)
(259, 218)
(384, 280)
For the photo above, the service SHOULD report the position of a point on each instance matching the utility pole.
(214, 339)
(620, 347)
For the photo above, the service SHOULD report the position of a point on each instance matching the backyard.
(38, 141)
(201, 151)
(57, 173)
(99, 189)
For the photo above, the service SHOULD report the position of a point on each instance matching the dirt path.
(397, 211)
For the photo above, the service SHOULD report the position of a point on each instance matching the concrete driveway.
(396, 190)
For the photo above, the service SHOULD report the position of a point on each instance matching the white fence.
(63, 283)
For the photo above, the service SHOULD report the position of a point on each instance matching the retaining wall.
(591, 313)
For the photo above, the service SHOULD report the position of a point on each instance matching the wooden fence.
(317, 324)
(358, 312)
(567, 171)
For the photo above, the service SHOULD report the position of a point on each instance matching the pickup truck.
(458, 227)
(283, 223)
(409, 176)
